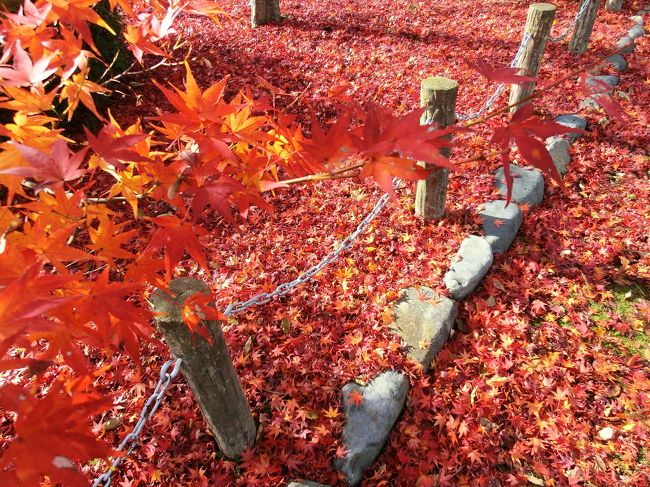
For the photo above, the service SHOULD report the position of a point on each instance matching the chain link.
(149, 408)
(581, 12)
(502, 86)
(287, 287)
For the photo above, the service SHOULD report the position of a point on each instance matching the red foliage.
(536, 391)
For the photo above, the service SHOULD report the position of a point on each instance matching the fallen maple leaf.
(199, 308)
(356, 398)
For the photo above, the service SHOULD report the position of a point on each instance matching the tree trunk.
(538, 25)
(614, 5)
(584, 26)
(265, 12)
(207, 367)
(438, 95)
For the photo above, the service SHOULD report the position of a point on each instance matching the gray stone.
(473, 260)
(626, 44)
(589, 102)
(617, 62)
(609, 80)
(636, 31)
(558, 147)
(500, 224)
(306, 483)
(369, 423)
(638, 19)
(422, 316)
(574, 122)
(527, 185)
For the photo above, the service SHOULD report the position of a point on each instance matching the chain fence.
(567, 31)
(155, 399)
(148, 410)
(166, 377)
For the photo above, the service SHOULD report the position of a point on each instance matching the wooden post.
(207, 368)
(265, 12)
(438, 95)
(583, 28)
(538, 26)
(614, 5)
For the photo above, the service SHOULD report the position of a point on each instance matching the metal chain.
(287, 287)
(581, 12)
(499, 89)
(147, 411)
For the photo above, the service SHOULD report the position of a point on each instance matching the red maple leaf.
(176, 236)
(57, 424)
(115, 150)
(25, 72)
(356, 398)
(501, 75)
(51, 169)
(523, 129)
(199, 308)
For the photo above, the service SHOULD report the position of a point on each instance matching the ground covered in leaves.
(546, 381)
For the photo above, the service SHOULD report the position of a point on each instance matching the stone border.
(430, 320)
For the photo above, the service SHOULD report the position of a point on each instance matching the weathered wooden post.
(207, 367)
(265, 12)
(583, 28)
(438, 95)
(538, 26)
(614, 5)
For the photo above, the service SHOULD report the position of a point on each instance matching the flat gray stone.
(422, 316)
(574, 122)
(626, 43)
(558, 147)
(617, 62)
(306, 483)
(500, 224)
(636, 31)
(473, 260)
(638, 19)
(609, 79)
(369, 423)
(527, 185)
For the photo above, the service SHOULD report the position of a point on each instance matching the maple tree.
(76, 267)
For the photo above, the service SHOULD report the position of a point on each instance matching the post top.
(543, 7)
(437, 83)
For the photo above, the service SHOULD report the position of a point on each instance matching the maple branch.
(539, 93)
(324, 176)
(299, 96)
(339, 173)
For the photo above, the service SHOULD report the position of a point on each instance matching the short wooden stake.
(265, 12)
(438, 95)
(207, 368)
(538, 25)
(614, 5)
(583, 28)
